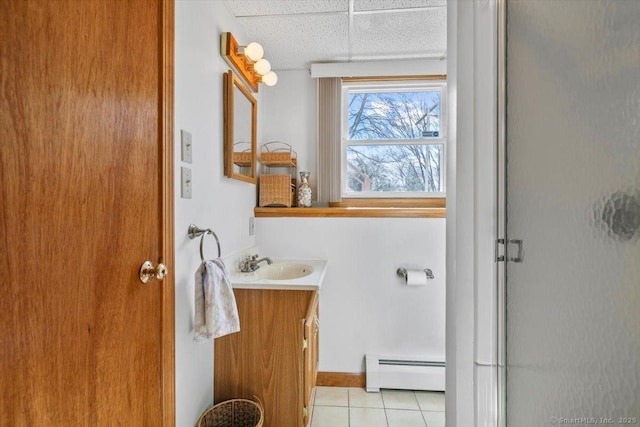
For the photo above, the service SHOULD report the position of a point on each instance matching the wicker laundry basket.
(233, 413)
(275, 190)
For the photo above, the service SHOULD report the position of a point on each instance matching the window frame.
(394, 85)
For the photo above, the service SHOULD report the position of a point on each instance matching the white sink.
(284, 271)
(285, 274)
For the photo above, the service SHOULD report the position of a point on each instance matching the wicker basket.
(242, 154)
(275, 190)
(278, 158)
(233, 413)
(242, 159)
(277, 154)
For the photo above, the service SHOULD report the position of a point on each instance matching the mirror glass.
(240, 130)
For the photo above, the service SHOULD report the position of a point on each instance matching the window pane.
(394, 168)
(378, 115)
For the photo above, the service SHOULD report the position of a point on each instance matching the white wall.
(219, 203)
(288, 113)
(364, 307)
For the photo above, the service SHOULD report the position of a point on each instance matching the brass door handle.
(148, 272)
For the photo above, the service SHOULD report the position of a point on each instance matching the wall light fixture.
(248, 61)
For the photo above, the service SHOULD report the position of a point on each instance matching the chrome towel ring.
(195, 231)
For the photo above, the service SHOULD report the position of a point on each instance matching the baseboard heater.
(408, 373)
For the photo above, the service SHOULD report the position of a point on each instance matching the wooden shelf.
(242, 158)
(358, 212)
(242, 164)
(291, 163)
(278, 159)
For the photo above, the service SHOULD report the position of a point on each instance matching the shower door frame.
(472, 212)
(501, 217)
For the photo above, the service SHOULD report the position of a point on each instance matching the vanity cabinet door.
(274, 356)
(311, 350)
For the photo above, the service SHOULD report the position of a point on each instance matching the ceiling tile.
(241, 8)
(294, 41)
(296, 33)
(399, 35)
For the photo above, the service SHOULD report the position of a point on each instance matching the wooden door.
(85, 164)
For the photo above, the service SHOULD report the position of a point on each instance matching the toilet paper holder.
(402, 272)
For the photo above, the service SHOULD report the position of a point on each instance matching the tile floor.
(354, 407)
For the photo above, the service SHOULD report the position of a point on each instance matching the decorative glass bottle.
(304, 191)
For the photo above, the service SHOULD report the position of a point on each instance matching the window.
(393, 138)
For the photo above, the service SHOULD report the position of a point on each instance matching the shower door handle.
(502, 258)
(519, 257)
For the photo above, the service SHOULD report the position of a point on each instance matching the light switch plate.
(187, 147)
(252, 225)
(185, 174)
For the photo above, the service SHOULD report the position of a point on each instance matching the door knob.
(148, 272)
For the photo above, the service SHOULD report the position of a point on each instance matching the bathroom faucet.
(250, 263)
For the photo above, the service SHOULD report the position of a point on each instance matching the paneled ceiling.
(297, 33)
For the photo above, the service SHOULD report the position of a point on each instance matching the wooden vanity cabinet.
(274, 356)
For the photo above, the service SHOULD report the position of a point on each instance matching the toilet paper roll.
(416, 278)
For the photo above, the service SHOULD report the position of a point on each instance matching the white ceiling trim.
(418, 67)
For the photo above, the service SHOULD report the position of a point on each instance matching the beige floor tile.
(430, 400)
(358, 397)
(332, 396)
(367, 417)
(402, 418)
(354, 407)
(399, 399)
(330, 416)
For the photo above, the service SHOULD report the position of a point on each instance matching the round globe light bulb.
(270, 79)
(254, 51)
(262, 66)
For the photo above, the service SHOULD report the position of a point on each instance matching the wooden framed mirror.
(240, 130)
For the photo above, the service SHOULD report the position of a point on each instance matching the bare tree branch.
(389, 116)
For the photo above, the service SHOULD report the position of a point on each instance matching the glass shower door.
(573, 199)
